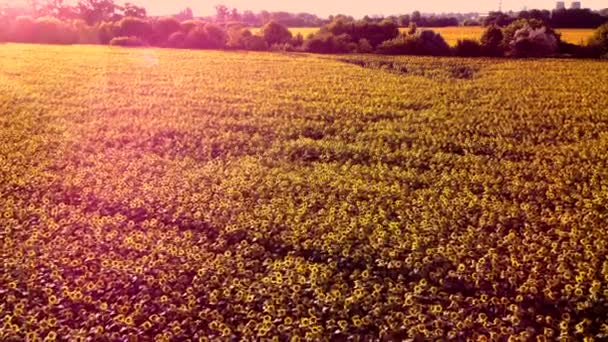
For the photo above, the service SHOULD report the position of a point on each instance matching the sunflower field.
(167, 195)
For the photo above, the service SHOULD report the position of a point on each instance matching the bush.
(375, 33)
(196, 38)
(599, 40)
(127, 41)
(216, 36)
(422, 43)
(468, 48)
(530, 42)
(510, 31)
(189, 25)
(255, 43)
(208, 36)
(177, 40)
(297, 40)
(85, 34)
(164, 28)
(364, 46)
(135, 27)
(530, 38)
(275, 33)
(239, 38)
(329, 43)
(578, 51)
(106, 31)
(491, 41)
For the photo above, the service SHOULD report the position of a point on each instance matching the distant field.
(305, 31)
(453, 34)
(174, 195)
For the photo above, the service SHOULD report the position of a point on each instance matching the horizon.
(324, 9)
(381, 7)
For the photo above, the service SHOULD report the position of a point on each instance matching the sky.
(357, 8)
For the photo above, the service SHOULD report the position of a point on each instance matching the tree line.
(103, 22)
(563, 18)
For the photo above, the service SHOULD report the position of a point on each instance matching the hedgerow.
(522, 38)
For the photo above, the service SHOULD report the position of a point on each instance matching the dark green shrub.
(491, 41)
(599, 40)
(375, 33)
(364, 46)
(164, 28)
(106, 31)
(240, 38)
(530, 38)
(135, 27)
(177, 40)
(329, 43)
(468, 48)
(216, 36)
(422, 43)
(275, 33)
(207, 36)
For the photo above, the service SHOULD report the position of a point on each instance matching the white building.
(576, 5)
(560, 5)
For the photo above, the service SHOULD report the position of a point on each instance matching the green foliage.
(107, 31)
(468, 48)
(375, 33)
(243, 39)
(177, 40)
(135, 27)
(364, 46)
(275, 33)
(206, 36)
(491, 41)
(329, 43)
(599, 40)
(424, 42)
(530, 38)
(164, 28)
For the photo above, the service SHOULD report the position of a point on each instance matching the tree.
(184, 15)
(425, 42)
(412, 28)
(275, 33)
(416, 17)
(577, 18)
(250, 18)
(134, 11)
(498, 19)
(58, 9)
(468, 48)
(491, 41)
(533, 42)
(165, 27)
(136, 27)
(221, 13)
(600, 39)
(235, 15)
(95, 11)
